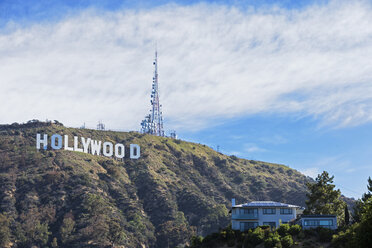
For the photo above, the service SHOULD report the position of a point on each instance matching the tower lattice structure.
(153, 123)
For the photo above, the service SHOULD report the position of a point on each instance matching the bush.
(265, 227)
(4, 230)
(307, 244)
(325, 234)
(345, 239)
(196, 241)
(283, 229)
(114, 171)
(233, 157)
(254, 237)
(273, 241)
(295, 230)
(301, 235)
(287, 241)
(310, 233)
(231, 243)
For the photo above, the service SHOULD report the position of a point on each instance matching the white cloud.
(214, 62)
(251, 148)
(311, 172)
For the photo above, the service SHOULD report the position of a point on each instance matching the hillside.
(176, 189)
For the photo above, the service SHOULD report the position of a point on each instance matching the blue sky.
(44, 10)
(298, 143)
(279, 81)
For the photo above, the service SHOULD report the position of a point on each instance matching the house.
(320, 220)
(258, 213)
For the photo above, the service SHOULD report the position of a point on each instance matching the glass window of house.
(325, 223)
(250, 211)
(311, 223)
(251, 224)
(286, 211)
(248, 225)
(269, 211)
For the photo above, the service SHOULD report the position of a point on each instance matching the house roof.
(266, 204)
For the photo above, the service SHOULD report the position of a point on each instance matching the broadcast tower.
(153, 123)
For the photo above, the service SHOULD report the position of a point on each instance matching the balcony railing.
(245, 216)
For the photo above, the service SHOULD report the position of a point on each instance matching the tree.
(97, 215)
(287, 241)
(364, 230)
(347, 216)
(323, 198)
(116, 234)
(4, 230)
(359, 204)
(359, 233)
(40, 234)
(357, 210)
(67, 228)
(32, 231)
(368, 195)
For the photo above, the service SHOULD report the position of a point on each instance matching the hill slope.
(175, 190)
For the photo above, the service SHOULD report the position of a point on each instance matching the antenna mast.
(153, 123)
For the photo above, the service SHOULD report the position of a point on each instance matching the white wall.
(235, 223)
(275, 217)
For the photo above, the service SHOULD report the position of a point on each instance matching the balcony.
(245, 216)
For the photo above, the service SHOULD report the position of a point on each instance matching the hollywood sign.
(95, 147)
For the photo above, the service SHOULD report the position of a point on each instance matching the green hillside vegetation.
(176, 190)
(286, 236)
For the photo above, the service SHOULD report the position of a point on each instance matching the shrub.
(233, 157)
(254, 237)
(283, 229)
(4, 230)
(295, 230)
(114, 171)
(267, 230)
(273, 241)
(301, 235)
(310, 233)
(325, 234)
(287, 241)
(231, 243)
(307, 244)
(238, 179)
(345, 239)
(264, 227)
(196, 241)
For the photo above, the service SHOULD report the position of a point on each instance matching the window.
(248, 225)
(310, 223)
(250, 211)
(325, 223)
(271, 224)
(269, 211)
(286, 211)
(318, 222)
